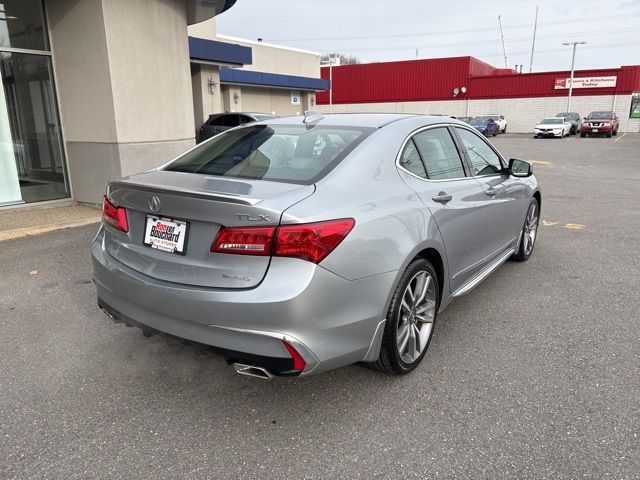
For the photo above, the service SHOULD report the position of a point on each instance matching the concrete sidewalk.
(25, 221)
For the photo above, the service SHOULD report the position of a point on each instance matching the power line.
(467, 30)
(489, 42)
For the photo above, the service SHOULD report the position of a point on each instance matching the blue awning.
(263, 79)
(219, 52)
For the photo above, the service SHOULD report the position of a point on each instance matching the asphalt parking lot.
(534, 374)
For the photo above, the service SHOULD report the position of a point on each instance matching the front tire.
(582, 135)
(529, 233)
(410, 319)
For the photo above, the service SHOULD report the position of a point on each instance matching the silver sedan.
(296, 245)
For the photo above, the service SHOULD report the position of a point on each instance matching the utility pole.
(504, 45)
(533, 43)
(573, 64)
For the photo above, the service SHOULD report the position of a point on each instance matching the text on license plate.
(166, 234)
(595, 130)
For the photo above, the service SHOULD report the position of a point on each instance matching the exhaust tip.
(252, 371)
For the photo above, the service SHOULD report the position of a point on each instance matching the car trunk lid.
(205, 204)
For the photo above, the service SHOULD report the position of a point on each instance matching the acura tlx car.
(343, 248)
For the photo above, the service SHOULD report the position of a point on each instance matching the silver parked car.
(341, 249)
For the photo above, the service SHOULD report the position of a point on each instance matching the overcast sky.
(384, 30)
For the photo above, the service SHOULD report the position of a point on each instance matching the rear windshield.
(282, 153)
(479, 121)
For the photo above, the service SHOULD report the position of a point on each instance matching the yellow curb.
(27, 232)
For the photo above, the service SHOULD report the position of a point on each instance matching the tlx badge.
(253, 218)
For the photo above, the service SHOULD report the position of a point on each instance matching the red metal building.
(436, 79)
(428, 86)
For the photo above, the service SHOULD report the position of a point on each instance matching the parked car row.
(487, 124)
(569, 123)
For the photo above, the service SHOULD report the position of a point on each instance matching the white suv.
(500, 120)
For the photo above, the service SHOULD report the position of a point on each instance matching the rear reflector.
(298, 361)
(113, 216)
(244, 241)
(307, 241)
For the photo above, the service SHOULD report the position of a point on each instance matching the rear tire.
(504, 130)
(615, 132)
(410, 320)
(529, 233)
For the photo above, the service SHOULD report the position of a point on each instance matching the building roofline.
(266, 44)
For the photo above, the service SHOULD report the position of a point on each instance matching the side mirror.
(520, 168)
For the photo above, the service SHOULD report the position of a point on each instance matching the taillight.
(307, 241)
(113, 216)
(244, 241)
(298, 361)
(311, 241)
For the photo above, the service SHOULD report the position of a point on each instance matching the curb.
(28, 232)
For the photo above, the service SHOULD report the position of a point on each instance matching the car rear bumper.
(330, 321)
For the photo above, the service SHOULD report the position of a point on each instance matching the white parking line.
(620, 137)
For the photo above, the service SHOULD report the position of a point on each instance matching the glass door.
(34, 124)
(32, 165)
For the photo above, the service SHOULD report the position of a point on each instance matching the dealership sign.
(586, 82)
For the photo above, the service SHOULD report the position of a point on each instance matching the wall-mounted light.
(212, 86)
(236, 97)
(457, 91)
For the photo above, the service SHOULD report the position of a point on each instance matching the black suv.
(574, 119)
(219, 122)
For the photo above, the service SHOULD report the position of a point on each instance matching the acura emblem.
(154, 204)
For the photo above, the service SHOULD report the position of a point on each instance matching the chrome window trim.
(46, 53)
(420, 130)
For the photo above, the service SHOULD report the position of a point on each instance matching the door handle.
(491, 192)
(442, 197)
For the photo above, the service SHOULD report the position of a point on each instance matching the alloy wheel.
(530, 228)
(415, 317)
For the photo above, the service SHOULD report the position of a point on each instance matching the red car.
(600, 123)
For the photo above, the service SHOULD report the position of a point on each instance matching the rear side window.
(439, 154)
(282, 153)
(411, 161)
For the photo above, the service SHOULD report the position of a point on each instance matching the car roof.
(374, 120)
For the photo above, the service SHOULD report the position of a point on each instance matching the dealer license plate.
(166, 234)
(594, 130)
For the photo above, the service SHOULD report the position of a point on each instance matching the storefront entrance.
(32, 164)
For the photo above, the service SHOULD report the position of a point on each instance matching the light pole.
(330, 64)
(330, 83)
(573, 63)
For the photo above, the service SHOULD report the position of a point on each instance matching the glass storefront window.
(22, 25)
(30, 129)
(32, 165)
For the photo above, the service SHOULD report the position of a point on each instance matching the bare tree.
(344, 59)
